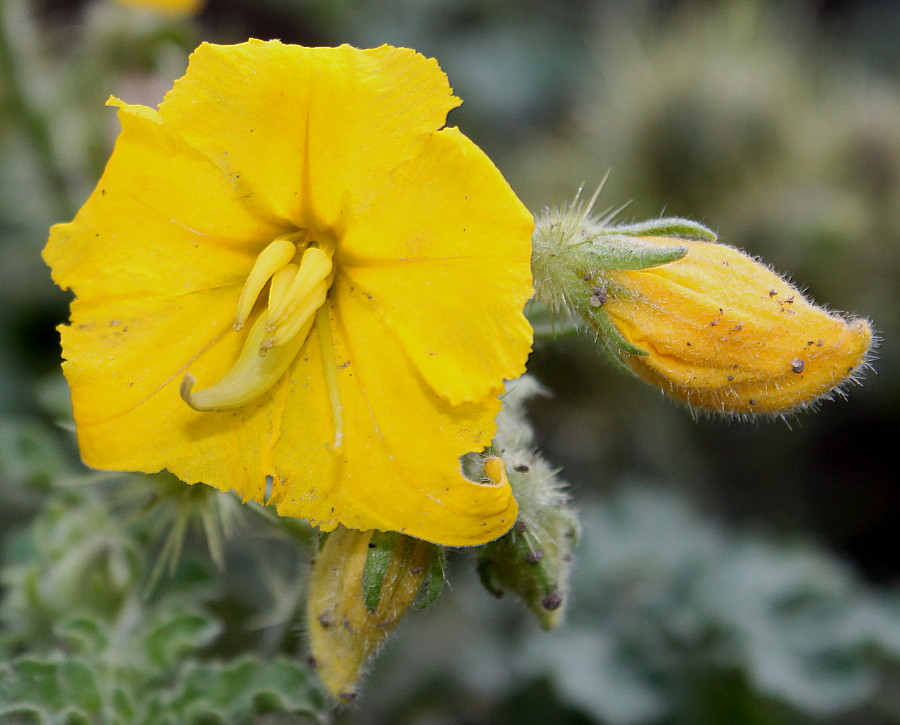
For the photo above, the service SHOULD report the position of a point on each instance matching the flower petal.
(125, 365)
(297, 124)
(444, 255)
(398, 466)
(163, 221)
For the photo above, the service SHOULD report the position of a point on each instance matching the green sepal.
(666, 227)
(533, 562)
(436, 571)
(601, 323)
(485, 568)
(381, 549)
(322, 538)
(623, 253)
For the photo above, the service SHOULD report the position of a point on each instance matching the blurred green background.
(729, 573)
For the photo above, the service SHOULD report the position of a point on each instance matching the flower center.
(296, 292)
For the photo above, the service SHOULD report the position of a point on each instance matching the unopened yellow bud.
(724, 333)
(343, 632)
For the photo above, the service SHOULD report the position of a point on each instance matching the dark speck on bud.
(533, 557)
(598, 297)
(552, 601)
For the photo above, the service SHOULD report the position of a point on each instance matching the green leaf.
(85, 634)
(62, 692)
(234, 692)
(178, 636)
(29, 455)
(78, 686)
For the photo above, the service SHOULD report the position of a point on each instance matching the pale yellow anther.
(296, 292)
(252, 374)
(297, 318)
(272, 259)
(315, 267)
(281, 282)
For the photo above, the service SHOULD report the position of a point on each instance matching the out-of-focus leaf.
(62, 692)
(234, 692)
(178, 635)
(29, 455)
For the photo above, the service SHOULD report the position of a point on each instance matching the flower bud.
(362, 584)
(720, 331)
(533, 560)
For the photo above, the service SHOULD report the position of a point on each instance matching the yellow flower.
(293, 270)
(723, 332)
(168, 7)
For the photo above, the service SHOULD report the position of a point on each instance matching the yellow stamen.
(296, 292)
(250, 377)
(298, 317)
(326, 346)
(314, 268)
(273, 258)
(281, 282)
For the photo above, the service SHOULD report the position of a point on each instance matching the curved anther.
(296, 320)
(273, 258)
(252, 374)
(315, 267)
(281, 282)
